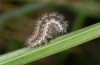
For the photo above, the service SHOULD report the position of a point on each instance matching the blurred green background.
(17, 19)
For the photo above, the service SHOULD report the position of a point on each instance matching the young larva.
(48, 26)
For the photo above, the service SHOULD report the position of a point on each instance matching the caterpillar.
(47, 27)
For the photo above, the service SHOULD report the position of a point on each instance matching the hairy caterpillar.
(48, 26)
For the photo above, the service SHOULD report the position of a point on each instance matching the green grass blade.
(26, 55)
